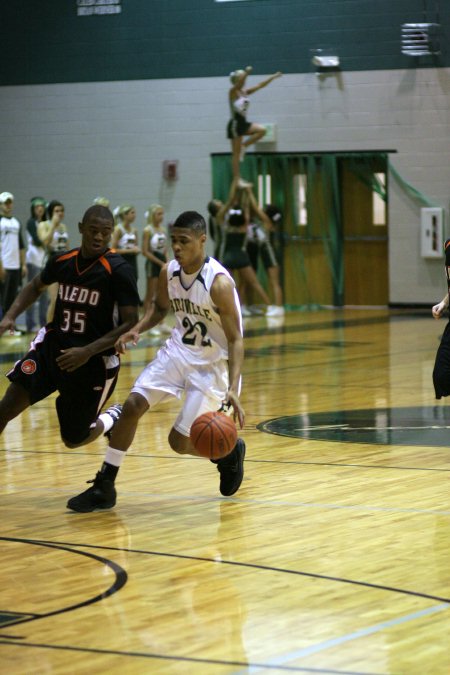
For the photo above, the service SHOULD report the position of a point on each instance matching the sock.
(106, 420)
(111, 464)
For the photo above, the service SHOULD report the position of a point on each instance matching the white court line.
(334, 642)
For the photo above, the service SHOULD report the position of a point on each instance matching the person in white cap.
(239, 126)
(12, 258)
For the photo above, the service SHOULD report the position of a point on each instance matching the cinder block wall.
(73, 140)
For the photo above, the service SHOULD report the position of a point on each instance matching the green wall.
(44, 41)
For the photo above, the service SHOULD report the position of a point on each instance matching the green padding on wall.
(47, 41)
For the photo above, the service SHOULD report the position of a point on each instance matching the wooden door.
(365, 243)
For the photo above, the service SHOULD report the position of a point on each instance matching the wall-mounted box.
(271, 133)
(431, 232)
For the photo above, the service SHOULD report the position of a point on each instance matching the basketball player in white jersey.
(201, 360)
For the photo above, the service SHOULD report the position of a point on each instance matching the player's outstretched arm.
(27, 296)
(222, 294)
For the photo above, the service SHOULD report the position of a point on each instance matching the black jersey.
(89, 294)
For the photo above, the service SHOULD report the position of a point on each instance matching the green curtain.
(323, 203)
(410, 190)
(331, 222)
(297, 244)
(366, 167)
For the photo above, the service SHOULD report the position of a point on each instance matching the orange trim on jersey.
(69, 255)
(105, 264)
(75, 252)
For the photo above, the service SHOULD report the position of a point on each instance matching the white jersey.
(198, 335)
(128, 239)
(60, 240)
(157, 239)
(10, 239)
(256, 233)
(35, 254)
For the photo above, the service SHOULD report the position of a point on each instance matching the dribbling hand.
(238, 411)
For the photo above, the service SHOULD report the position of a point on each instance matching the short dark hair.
(98, 212)
(191, 220)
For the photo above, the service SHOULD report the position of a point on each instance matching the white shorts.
(167, 376)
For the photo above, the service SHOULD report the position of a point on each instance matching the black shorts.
(235, 259)
(441, 371)
(82, 393)
(268, 256)
(238, 126)
(253, 253)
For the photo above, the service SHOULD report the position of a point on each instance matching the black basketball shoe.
(101, 495)
(231, 469)
(114, 412)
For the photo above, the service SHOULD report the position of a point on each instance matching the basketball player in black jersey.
(441, 370)
(74, 354)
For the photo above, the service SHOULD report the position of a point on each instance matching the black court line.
(119, 581)
(186, 659)
(356, 466)
(10, 637)
(265, 568)
(248, 460)
(8, 618)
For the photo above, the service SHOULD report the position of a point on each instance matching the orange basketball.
(214, 435)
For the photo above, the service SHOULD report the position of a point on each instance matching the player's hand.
(73, 358)
(6, 325)
(121, 343)
(437, 310)
(238, 411)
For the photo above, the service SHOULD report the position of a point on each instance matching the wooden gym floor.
(333, 557)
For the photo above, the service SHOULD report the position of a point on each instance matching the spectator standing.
(125, 237)
(35, 259)
(12, 259)
(55, 239)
